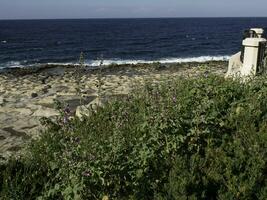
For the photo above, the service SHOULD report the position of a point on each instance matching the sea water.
(120, 41)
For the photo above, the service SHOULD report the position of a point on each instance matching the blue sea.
(31, 42)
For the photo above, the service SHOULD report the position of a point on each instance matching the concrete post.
(251, 53)
(250, 60)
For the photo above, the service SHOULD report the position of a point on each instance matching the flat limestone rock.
(45, 112)
(24, 111)
(82, 111)
(2, 100)
(85, 110)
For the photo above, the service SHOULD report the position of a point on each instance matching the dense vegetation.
(197, 138)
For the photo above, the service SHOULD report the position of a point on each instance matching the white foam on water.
(96, 63)
(200, 59)
(11, 64)
(62, 64)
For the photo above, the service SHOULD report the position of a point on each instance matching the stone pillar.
(250, 60)
(251, 52)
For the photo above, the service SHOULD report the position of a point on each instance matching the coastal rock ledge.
(27, 95)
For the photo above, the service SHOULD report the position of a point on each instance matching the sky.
(61, 9)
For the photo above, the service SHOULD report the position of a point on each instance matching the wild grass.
(188, 138)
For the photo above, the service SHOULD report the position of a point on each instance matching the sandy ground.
(28, 95)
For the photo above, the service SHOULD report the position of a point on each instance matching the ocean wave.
(199, 59)
(96, 63)
(11, 64)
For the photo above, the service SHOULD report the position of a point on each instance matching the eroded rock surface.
(27, 96)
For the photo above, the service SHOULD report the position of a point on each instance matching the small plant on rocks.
(100, 81)
(78, 72)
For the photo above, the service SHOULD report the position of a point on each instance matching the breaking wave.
(200, 59)
(96, 63)
(11, 64)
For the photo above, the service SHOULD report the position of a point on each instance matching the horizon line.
(15, 19)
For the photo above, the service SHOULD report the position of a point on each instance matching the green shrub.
(197, 138)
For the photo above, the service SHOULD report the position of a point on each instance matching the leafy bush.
(197, 138)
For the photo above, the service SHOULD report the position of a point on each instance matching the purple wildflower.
(65, 120)
(67, 110)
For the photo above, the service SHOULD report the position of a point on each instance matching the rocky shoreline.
(26, 95)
